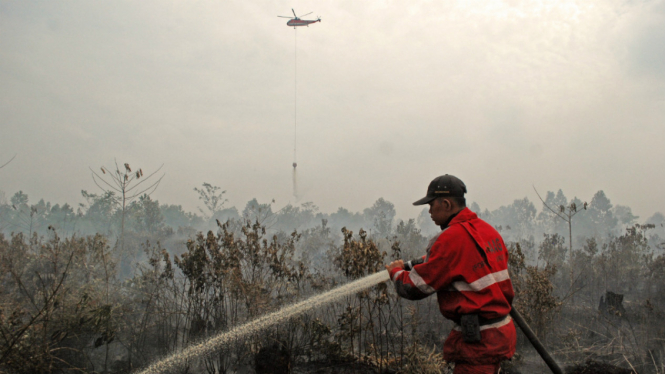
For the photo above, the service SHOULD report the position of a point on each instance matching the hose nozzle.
(410, 264)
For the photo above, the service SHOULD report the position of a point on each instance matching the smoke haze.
(505, 95)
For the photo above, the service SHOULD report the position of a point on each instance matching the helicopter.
(296, 21)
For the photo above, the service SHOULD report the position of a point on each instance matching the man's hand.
(395, 264)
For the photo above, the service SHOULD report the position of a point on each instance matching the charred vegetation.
(107, 288)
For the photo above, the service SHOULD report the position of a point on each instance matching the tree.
(525, 213)
(552, 250)
(566, 214)
(62, 217)
(600, 214)
(658, 222)
(99, 210)
(296, 218)
(517, 217)
(344, 218)
(409, 239)
(658, 219)
(546, 217)
(625, 258)
(624, 215)
(425, 223)
(254, 211)
(380, 216)
(4, 210)
(123, 184)
(212, 199)
(148, 216)
(19, 199)
(28, 218)
(176, 217)
(474, 207)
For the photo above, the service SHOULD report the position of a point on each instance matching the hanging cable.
(295, 97)
(295, 111)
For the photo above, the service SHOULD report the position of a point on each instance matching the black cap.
(443, 186)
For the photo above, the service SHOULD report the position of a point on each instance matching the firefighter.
(466, 265)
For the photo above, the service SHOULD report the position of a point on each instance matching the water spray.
(210, 345)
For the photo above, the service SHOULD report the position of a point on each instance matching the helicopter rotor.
(296, 17)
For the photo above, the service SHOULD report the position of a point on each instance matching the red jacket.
(467, 267)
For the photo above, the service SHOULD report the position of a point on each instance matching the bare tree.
(128, 184)
(212, 199)
(29, 223)
(566, 213)
(28, 218)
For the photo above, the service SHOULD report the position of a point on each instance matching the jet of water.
(208, 346)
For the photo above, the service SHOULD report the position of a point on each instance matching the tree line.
(74, 299)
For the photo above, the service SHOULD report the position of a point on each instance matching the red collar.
(464, 215)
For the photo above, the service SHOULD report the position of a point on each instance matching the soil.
(594, 367)
(589, 367)
(535, 365)
(334, 368)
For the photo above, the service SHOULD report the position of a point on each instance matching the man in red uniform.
(466, 265)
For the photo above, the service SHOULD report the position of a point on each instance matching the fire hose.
(517, 317)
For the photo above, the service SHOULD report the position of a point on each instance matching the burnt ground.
(594, 367)
(535, 365)
(590, 367)
(334, 368)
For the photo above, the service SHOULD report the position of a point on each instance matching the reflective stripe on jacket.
(467, 267)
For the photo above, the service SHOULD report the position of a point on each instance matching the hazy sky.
(505, 95)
